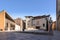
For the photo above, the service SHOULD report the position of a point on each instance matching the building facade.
(58, 15)
(37, 22)
(17, 27)
(21, 23)
(6, 22)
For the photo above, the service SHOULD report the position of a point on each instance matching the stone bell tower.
(58, 15)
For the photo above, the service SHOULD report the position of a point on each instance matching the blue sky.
(22, 8)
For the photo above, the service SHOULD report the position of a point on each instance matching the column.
(8, 26)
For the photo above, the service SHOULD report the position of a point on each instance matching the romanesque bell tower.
(58, 15)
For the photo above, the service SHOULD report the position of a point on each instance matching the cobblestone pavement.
(24, 36)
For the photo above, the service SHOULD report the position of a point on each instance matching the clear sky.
(22, 8)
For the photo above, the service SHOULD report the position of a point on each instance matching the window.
(43, 25)
(28, 24)
(28, 21)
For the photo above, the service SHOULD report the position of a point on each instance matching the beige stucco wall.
(2, 16)
(3, 20)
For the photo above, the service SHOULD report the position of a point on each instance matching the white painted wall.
(17, 27)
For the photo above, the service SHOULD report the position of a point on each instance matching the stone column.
(8, 26)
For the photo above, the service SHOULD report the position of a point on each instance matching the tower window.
(43, 25)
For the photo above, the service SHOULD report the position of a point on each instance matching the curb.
(37, 33)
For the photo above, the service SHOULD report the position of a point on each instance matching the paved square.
(24, 36)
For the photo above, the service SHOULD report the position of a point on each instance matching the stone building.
(37, 22)
(58, 15)
(6, 22)
(21, 23)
